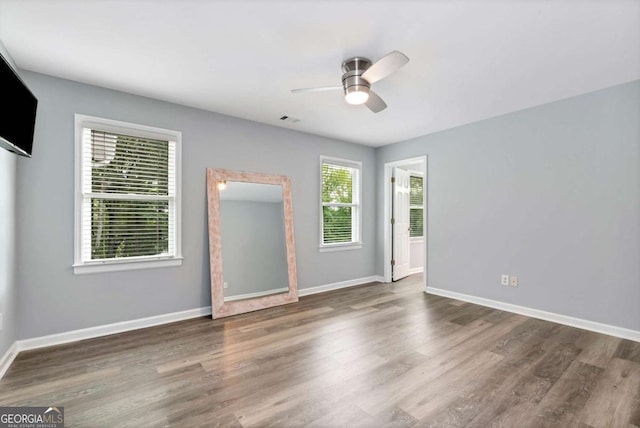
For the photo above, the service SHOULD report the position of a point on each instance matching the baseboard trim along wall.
(543, 315)
(338, 285)
(7, 358)
(123, 326)
(107, 329)
(97, 331)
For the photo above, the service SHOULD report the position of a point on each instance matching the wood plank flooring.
(379, 355)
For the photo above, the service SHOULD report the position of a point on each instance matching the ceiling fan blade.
(385, 66)
(375, 103)
(326, 88)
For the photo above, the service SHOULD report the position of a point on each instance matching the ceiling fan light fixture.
(358, 76)
(356, 95)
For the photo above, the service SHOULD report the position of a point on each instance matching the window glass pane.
(337, 224)
(415, 222)
(125, 164)
(121, 228)
(337, 184)
(416, 195)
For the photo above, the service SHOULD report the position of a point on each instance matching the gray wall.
(54, 300)
(550, 194)
(8, 283)
(254, 254)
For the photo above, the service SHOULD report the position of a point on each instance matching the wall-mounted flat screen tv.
(18, 118)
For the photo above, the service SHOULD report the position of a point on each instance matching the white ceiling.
(470, 60)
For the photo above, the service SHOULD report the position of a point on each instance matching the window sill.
(340, 247)
(111, 266)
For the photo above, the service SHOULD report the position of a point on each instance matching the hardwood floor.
(380, 355)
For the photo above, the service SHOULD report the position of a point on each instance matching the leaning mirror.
(251, 243)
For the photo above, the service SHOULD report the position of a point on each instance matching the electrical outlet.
(505, 280)
(226, 285)
(514, 281)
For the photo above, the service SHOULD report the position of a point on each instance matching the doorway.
(405, 218)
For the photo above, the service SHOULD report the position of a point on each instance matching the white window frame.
(81, 266)
(356, 220)
(413, 173)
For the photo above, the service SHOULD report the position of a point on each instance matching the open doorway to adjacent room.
(405, 219)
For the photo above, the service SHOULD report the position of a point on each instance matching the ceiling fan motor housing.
(352, 80)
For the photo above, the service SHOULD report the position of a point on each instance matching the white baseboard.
(97, 331)
(416, 270)
(338, 285)
(543, 315)
(8, 358)
(107, 329)
(258, 294)
(120, 327)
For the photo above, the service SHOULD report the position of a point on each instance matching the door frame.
(388, 172)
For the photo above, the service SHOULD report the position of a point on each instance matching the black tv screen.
(19, 112)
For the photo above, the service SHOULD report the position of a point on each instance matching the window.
(127, 196)
(340, 204)
(416, 206)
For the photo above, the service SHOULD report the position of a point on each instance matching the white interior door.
(400, 225)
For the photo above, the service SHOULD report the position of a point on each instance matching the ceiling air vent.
(289, 119)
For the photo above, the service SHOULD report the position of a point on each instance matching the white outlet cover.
(505, 280)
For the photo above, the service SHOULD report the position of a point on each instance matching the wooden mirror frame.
(220, 308)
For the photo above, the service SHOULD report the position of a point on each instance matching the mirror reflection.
(254, 255)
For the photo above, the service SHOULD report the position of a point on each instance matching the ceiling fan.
(359, 75)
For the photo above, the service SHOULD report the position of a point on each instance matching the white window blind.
(127, 200)
(416, 201)
(340, 222)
